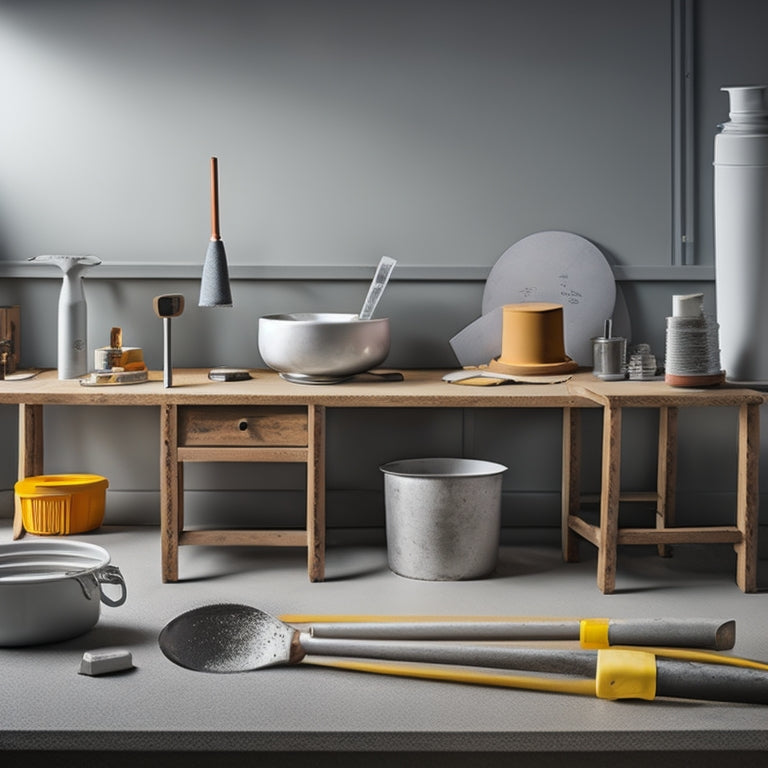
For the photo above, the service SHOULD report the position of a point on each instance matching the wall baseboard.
(363, 510)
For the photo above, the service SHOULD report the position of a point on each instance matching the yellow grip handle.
(623, 674)
(593, 633)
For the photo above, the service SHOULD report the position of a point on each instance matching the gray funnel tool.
(214, 285)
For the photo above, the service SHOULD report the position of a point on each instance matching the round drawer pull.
(243, 425)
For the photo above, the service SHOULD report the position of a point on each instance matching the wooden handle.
(116, 338)
(215, 231)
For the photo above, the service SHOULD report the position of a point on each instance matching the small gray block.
(105, 660)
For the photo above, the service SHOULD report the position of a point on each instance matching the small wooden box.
(10, 329)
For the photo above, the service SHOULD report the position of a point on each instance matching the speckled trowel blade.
(226, 638)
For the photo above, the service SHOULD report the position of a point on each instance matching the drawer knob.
(243, 425)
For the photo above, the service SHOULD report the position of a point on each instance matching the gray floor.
(284, 713)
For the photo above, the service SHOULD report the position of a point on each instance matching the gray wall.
(439, 132)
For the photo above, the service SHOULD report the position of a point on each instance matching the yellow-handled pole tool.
(619, 674)
(592, 633)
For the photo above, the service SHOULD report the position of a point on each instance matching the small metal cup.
(609, 357)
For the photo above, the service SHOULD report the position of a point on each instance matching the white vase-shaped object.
(72, 345)
(741, 235)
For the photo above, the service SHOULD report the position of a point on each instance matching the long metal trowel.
(239, 638)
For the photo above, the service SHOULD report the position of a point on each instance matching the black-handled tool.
(167, 306)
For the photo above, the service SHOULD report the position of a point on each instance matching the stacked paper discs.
(693, 352)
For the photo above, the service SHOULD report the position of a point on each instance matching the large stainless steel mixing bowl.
(323, 347)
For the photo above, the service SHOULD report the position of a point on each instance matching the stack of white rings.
(692, 341)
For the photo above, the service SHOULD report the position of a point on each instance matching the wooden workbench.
(267, 419)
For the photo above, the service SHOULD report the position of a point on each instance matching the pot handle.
(110, 574)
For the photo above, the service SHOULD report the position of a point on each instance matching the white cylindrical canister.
(741, 235)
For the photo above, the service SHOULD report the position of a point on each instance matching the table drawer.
(242, 426)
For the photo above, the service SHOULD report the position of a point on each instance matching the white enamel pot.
(51, 590)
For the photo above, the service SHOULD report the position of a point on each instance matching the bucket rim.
(451, 467)
(29, 562)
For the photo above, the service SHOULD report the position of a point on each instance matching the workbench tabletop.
(420, 388)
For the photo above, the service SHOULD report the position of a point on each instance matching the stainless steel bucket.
(51, 590)
(443, 517)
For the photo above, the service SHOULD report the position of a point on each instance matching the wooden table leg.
(609, 499)
(31, 448)
(171, 493)
(316, 494)
(570, 497)
(666, 477)
(747, 497)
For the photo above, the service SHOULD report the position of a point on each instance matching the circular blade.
(226, 638)
(557, 267)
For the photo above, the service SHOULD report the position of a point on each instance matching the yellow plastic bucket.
(62, 504)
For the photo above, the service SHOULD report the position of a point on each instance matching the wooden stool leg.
(666, 478)
(570, 498)
(30, 454)
(316, 494)
(747, 497)
(609, 499)
(171, 493)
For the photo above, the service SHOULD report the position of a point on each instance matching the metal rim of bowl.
(320, 318)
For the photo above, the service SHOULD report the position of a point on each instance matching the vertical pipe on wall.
(683, 162)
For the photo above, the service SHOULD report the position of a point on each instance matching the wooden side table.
(253, 433)
(606, 535)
